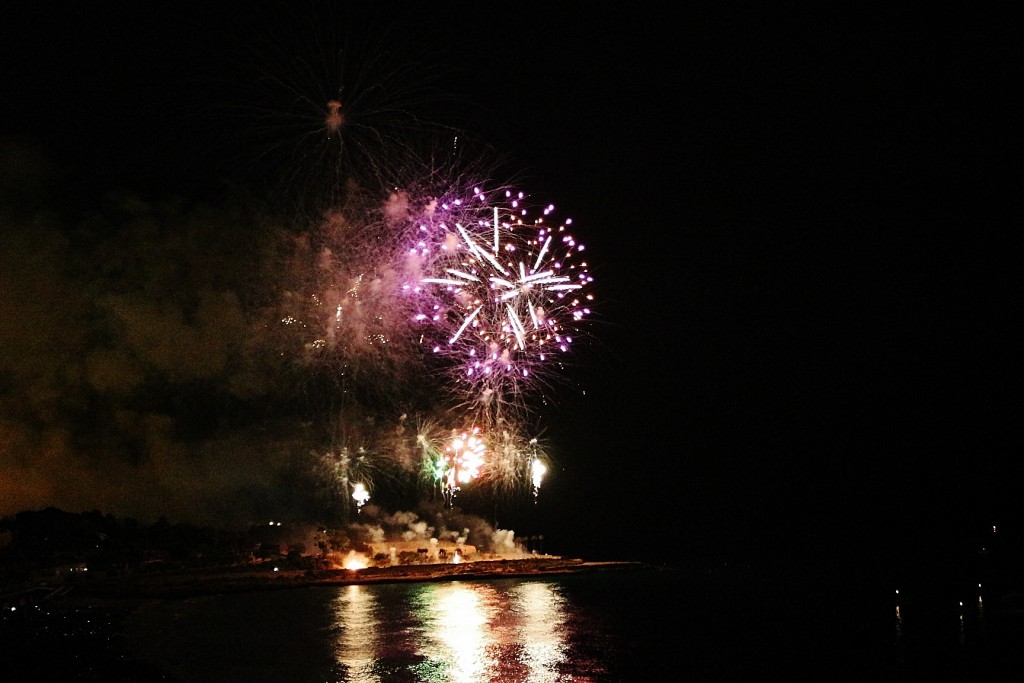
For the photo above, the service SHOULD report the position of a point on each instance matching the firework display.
(299, 307)
(463, 457)
(502, 295)
(490, 297)
(453, 300)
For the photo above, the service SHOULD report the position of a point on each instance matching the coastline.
(187, 584)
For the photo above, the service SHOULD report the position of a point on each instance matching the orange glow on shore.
(356, 561)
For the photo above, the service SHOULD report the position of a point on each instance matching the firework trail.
(353, 473)
(515, 465)
(363, 454)
(329, 112)
(430, 445)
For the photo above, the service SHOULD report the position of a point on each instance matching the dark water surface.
(722, 622)
(605, 626)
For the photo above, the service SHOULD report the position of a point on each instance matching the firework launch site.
(52, 553)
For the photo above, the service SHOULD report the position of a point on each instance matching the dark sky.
(800, 222)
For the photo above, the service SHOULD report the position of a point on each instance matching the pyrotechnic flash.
(463, 458)
(537, 469)
(356, 561)
(360, 495)
(351, 474)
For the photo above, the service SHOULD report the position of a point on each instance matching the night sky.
(803, 229)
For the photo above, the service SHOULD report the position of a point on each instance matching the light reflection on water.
(357, 639)
(542, 630)
(600, 628)
(605, 627)
(458, 631)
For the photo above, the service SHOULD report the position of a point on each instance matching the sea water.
(600, 626)
(646, 625)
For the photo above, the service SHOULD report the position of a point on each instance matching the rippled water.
(453, 631)
(606, 626)
(602, 627)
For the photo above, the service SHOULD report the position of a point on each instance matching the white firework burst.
(502, 295)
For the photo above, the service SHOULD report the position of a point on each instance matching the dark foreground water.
(647, 625)
(725, 623)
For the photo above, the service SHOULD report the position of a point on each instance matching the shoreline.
(182, 585)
